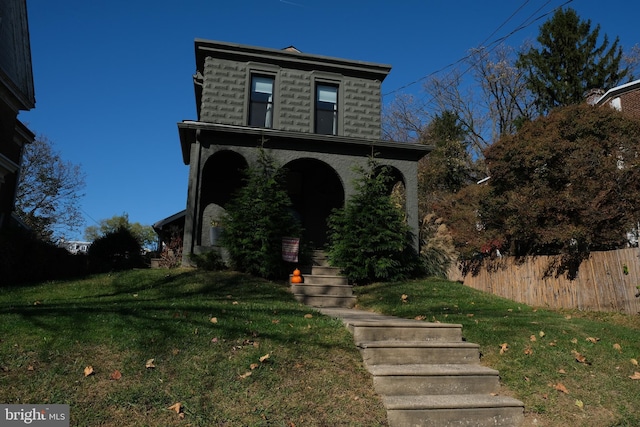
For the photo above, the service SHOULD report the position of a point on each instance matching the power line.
(527, 22)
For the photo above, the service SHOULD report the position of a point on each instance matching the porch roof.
(312, 142)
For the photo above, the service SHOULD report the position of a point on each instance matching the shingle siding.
(225, 88)
(223, 92)
(295, 104)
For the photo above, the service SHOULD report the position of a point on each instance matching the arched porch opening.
(315, 189)
(222, 176)
(396, 187)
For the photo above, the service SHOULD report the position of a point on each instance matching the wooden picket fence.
(607, 281)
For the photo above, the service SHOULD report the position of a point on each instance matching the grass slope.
(569, 368)
(231, 349)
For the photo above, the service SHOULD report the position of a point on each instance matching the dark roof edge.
(203, 46)
(188, 130)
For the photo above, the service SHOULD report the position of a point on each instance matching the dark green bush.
(369, 238)
(24, 258)
(118, 250)
(257, 219)
(209, 261)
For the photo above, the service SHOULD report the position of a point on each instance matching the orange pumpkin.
(296, 272)
(296, 279)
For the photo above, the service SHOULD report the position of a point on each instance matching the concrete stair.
(323, 285)
(427, 374)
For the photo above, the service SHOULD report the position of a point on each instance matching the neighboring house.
(317, 116)
(75, 246)
(625, 98)
(16, 94)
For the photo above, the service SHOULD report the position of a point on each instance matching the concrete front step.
(404, 330)
(323, 279)
(418, 352)
(324, 270)
(326, 300)
(478, 410)
(434, 379)
(318, 289)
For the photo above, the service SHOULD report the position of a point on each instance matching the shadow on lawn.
(177, 306)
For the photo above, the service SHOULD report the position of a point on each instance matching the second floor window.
(261, 104)
(326, 109)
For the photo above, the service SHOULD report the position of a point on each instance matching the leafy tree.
(448, 167)
(49, 191)
(116, 250)
(368, 238)
(569, 61)
(490, 103)
(567, 183)
(257, 219)
(144, 234)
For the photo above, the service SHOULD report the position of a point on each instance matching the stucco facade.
(318, 117)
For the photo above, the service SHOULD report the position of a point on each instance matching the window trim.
(269, 117)
(327, 79)
(263, 70)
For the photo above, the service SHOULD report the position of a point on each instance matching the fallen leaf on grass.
(617, 346)
(561, 388)
(265, 357)
(116, 375)
(235, 303)
(528, 351)
(177, 408)
(562, 371)
(308, 316)
(580, 404)
(542, 334)
(504, 347)
(593, 340)
(214, 320)
(574, 341)
(150, 364)
(404, 297)
(420, 317)
(580, 358)
(634, 362)
(533, 338)
(30, 368)
(246, 374)
(275, 321)
(88, 371)
(635, 376)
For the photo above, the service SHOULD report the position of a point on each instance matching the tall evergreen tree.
(569, 61)
(369, 238)
(257, 219)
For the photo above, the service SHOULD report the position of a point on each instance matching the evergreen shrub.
(369, 238)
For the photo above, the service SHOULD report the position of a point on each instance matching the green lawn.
(238, 351)
(231, 349)
(569, 368)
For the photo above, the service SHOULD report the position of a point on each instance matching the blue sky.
(112, 78)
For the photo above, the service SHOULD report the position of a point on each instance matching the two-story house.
(317, 116)
(16, 94)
